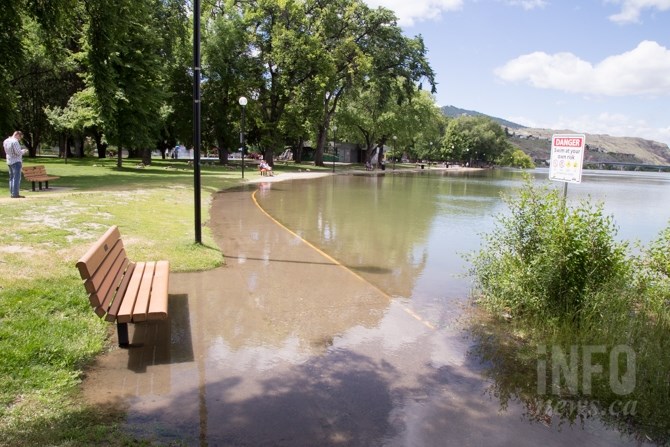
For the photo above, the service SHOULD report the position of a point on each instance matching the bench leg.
(33, 183)
(122, 331)
(46, 184)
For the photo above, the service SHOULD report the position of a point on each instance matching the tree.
(80, 117)
(34, 37)
(370, 115)
(124, 49)
(231, 71)
(362, 46)
(477, 138)
(515, 157)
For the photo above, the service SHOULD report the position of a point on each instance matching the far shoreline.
(307, 174)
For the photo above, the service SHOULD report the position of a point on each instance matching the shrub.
(545, 260)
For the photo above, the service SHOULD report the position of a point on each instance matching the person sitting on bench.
(264, 166)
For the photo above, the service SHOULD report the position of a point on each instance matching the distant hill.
(599, 148)
(454, 112)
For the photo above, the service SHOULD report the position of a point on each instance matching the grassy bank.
(578, 323)
(48, 332)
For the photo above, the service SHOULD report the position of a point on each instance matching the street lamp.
(395, 139)
(243, 103)
(430, 152)
(334, 146)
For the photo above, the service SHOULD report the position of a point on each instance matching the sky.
(591, 66)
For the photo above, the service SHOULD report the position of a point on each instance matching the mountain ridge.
(599, 147)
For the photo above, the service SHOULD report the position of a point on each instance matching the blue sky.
(594, 66)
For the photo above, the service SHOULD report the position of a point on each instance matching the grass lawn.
(48, 332)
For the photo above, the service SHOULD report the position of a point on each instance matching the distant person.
(15, 154)
(175, 152)
(264, 166)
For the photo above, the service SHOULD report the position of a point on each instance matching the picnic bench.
(37, 174)
(120, 290)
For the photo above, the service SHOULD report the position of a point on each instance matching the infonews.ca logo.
(573, 371)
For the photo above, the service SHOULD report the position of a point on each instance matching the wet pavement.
(285, 347)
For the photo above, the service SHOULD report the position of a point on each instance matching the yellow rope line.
(409, 311)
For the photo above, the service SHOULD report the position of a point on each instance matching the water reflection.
(407, 234)
(559, 384)
(279, 293)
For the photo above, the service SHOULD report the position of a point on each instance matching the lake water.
(407, 233)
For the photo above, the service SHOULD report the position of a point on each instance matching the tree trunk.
(102, 147)
(62, 144)
(268, 156)
(297, 153)
(146, 156)
(119, 158)
(79, 146)
(380, 153)
(223, 156)
(320, 144)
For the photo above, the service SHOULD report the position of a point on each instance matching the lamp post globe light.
(395, 139)
(243, 103)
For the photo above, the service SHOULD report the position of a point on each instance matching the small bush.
(545, 260)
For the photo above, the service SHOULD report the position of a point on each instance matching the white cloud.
(631, 9)
(527, 4)
(642, 71)
(409, 12)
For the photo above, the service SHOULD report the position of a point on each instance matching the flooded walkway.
(285, 347)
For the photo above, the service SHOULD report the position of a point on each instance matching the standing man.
(15, 162)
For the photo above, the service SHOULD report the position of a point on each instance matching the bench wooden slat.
(92, 259)
(113, 310)
(107, 294)
(99, 280)
(143, 295)
(125, 314)
(158, 305)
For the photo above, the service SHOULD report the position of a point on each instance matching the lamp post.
(395, 139)
(334, 146)
(243, 103)
(196, 122)
(431, 154)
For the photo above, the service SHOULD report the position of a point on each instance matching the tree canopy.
(120, 73)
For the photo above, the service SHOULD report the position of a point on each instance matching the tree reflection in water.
(519, 363)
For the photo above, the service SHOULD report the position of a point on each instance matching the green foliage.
(546, 261)
(516, 158)
(477, 138)
(124, 47)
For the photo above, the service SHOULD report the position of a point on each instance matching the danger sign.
(567, 157)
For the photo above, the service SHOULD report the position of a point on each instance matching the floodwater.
(338, 319)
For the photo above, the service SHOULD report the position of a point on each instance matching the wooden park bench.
(37, 174)
(120, 290)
